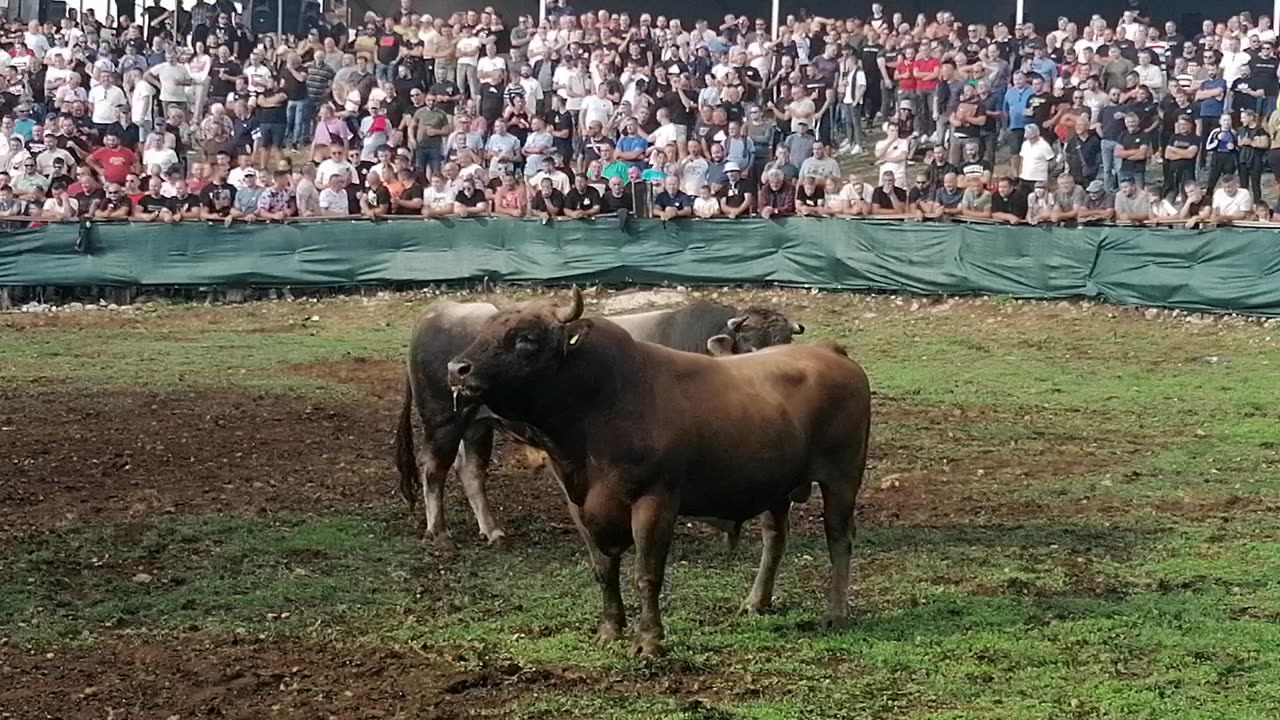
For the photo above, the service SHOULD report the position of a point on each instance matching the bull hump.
(461, 310)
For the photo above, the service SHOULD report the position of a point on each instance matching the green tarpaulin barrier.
(1230, 269)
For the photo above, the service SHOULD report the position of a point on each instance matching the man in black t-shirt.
(153, 207)
(735, 198)
(582, 201)
(1007, 204)
(1264, 68)
(223, 74)
(388, 52)
(412, 193)
(375, 203)
(546, 202)
(218, 197)
(1180, 156)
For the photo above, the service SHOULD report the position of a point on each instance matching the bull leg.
(608, 573)
(477, 449)
(653, 521)
(774, 532)
(837, 519)
(434, 462)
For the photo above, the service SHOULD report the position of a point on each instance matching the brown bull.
(639, 434)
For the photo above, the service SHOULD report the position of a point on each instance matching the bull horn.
(797, 328)
(736, 322)
(574, 311)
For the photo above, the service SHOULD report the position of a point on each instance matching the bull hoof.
(609, 633)
(833, 623)
(497, 539)
(648, 648)
(442, 542)
(754, 608)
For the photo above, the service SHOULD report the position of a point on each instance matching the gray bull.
(450, 431)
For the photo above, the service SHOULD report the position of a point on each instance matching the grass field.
(1071, 513)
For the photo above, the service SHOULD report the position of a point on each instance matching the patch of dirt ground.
(199, 677)
(69, 458)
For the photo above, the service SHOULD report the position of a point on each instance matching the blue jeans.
(428, 159)
(1110, 165)
(304, 121)
(384, 72)
(294, 121)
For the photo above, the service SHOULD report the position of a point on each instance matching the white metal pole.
(542, 10)
(1275, 15)
(1019, 15)
(774, 22)
(280, 19)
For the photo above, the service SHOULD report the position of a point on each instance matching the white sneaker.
(855, 150)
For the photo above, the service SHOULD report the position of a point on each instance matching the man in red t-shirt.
(926, 70)
(113, 162)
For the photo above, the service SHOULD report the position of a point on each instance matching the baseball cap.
(1095, 187)
(732, 167)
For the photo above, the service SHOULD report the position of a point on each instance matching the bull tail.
(406, 461)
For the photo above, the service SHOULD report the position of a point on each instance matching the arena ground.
(1071, 513)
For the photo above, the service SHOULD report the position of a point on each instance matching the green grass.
(1085, 528)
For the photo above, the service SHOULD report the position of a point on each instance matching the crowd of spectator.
(186, 116)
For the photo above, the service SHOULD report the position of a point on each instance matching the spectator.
(60, 206)
(1230, 202)
(820, 165)
(409, 197)
(470, 202)
(115, 204)
(777, 199)
(673, 202)
(511, 198)
(1068, 199)
(547, 202)
(1041, 204)
(706, 206)
(1161, 209)
(582, 201)
(333, 198)
(889, 198)
(437, 200)
(153, 206)
(1098, 203)
(1037, 155)
(1254, 142)
(276, 203)
(892, 154)
(735, 199)
(245, 206)
(1131, 205)
(976, 203)
(811, 197)
(1008, 205)
(1133, 148)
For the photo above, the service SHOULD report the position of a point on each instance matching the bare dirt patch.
(380, 380)
(71, 458)
(119, 456)
(201, 677)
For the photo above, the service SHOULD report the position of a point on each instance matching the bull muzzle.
(460, 377)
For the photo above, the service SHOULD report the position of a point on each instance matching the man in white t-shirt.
(1231, 202)
(173, 79)
(1036, 154)
(106, 100)
(596, 108)
(468, 52)
(336, 164)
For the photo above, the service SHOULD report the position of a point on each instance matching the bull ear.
(736, 323)
(720, 345)
(574, 333)
(796, 328)
(574, 311)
